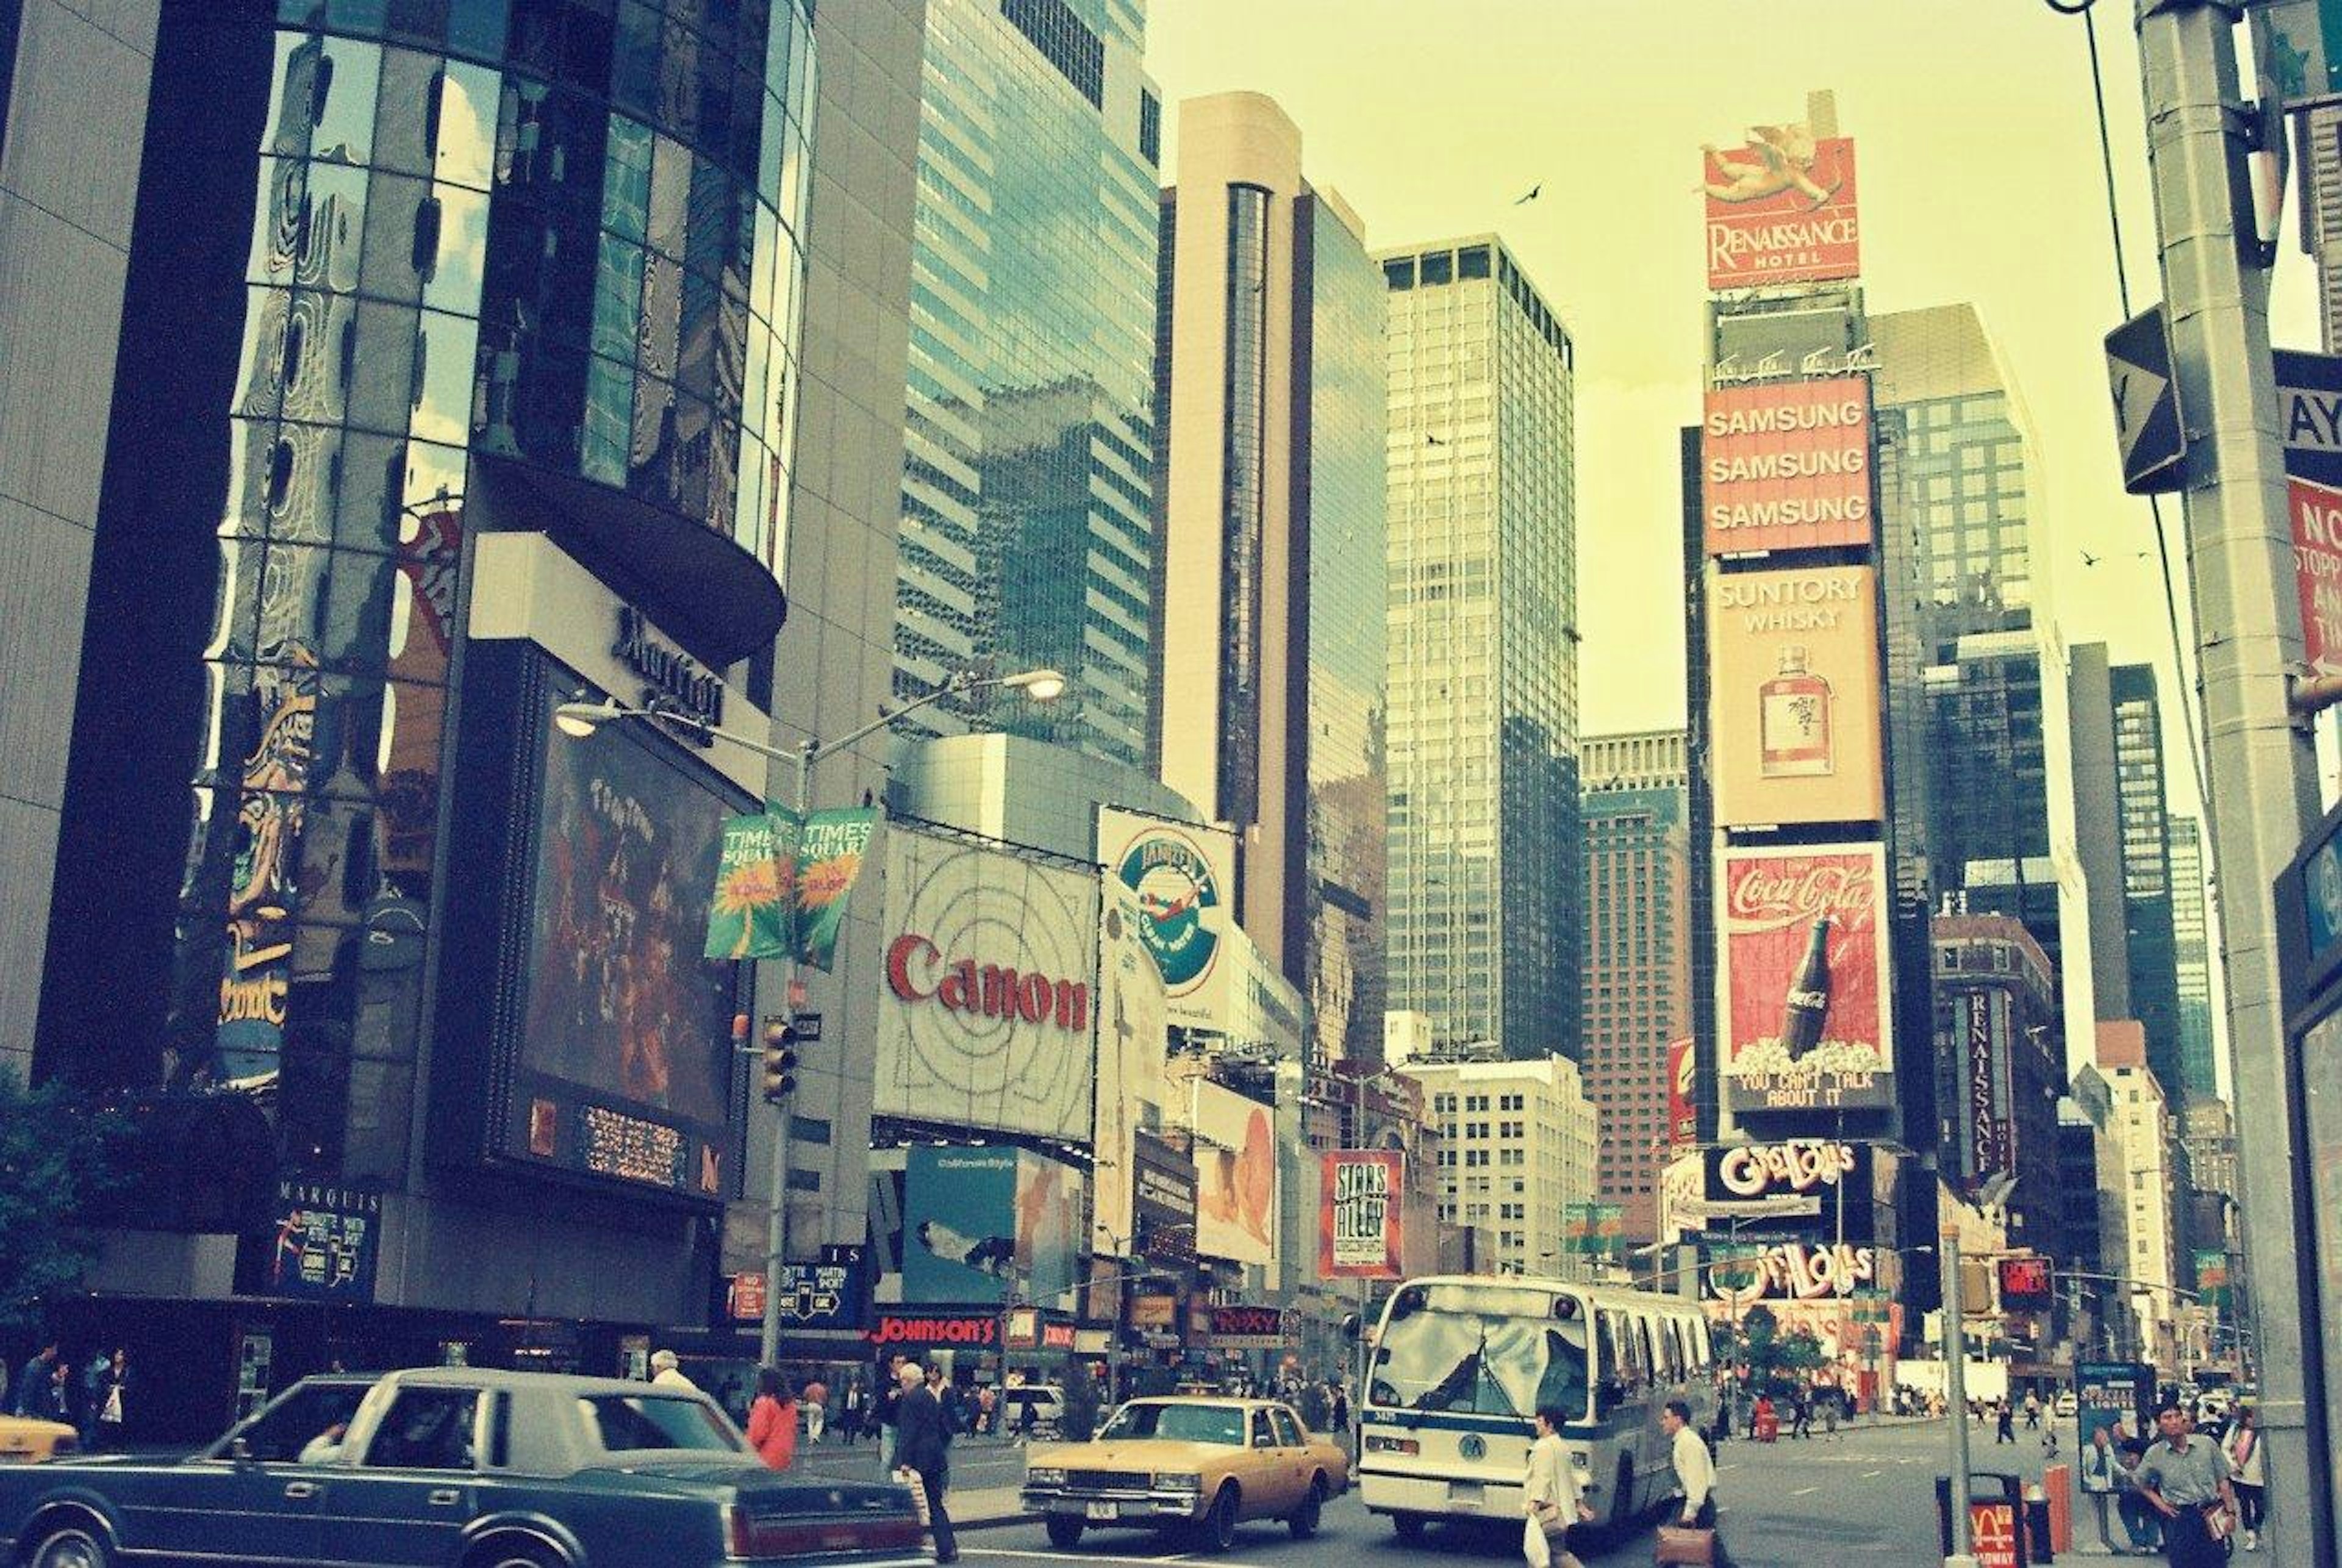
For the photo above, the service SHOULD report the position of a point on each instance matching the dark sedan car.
(457, 1467)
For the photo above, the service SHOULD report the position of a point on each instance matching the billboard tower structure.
(1810, 912)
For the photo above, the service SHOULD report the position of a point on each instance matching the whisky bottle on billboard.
(1794, 719)
(1809, 995)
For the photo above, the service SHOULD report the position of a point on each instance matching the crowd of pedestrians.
(92, 1400)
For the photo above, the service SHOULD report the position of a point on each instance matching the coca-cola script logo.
(1756, 1170)
(1765, 897)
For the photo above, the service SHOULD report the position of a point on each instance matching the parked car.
(461, 1466)
(1199, 1467)
(27, 1439)
(2066, 1404)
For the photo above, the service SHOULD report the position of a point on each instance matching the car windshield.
(1482, 1353)
(1179, 1423)
(629, 1420)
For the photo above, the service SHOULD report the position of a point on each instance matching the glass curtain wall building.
(1026, 535)
(2147, 911)
(1270, 667)
(407, 280)
(1487, 850)
(2191, 944)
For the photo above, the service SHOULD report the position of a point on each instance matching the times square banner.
(1805, 978)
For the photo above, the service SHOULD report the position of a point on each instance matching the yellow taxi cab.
(24, 1440)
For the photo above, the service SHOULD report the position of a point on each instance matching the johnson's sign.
(917, 972)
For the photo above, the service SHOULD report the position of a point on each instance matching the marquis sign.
(672, 677)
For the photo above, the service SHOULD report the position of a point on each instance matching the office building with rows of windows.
(1027, 537)
(1486, 876)
(1637, 1001)
(1517, 1149)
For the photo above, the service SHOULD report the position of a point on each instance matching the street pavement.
(1867, 1496)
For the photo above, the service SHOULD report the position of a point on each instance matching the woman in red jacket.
(773, 1418)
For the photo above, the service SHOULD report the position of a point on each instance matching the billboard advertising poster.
(1785, 464)
(1133, 1035)
(1184, 877)
(324, 1243)
(1809, 1188)
(1789, 1272)
(1683, 1115)
(1236, 1175)
(1793, 695)
(1781, 209)
(1358, 1226)
(1163, 1200)
(2116, 1395)
(1249, 1328)
(987, 1223)
(985, 1006)
(1805, 978)
(624, 1066)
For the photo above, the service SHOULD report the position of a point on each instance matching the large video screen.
(625, 1062)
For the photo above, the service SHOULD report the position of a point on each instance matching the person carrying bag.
(1551, 1498)
(1691, 1538)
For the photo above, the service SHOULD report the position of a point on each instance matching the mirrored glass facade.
(1487, 850)
(1026, 540)
(497, 263)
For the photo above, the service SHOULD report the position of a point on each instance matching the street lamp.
(579, 718)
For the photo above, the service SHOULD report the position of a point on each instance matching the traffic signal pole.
(2262, 767)
(1956, 1396)
(776, 1223)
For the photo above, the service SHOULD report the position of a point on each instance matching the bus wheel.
(1407, 1527)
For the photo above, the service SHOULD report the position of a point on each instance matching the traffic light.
(780, 1062)
(2026, 1285)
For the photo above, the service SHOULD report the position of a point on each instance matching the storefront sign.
(973, 1330)
(1154, 1312)
(673, 677)
(1248, 1328)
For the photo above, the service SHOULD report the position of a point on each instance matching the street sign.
(2148, 429)
(747, 1297)
(2297, 43)
(809, 1025)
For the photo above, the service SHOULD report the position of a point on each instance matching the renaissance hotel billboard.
(1782, 210)
(1785, 464)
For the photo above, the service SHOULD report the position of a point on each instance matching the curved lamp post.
(580, 718)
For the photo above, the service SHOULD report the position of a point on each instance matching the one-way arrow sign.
(2147, 425)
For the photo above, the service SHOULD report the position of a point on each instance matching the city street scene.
(1307, 783)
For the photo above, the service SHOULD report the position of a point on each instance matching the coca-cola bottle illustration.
(1809, 995)
(1793, 719)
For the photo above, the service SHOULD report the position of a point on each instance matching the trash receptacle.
(2040, 1537)
(1998, 1529)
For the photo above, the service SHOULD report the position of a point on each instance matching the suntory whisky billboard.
(1803, 954)
(1794, 696)
(1785, 464)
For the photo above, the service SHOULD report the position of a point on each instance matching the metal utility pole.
(2262, 768)
(1956, 1396)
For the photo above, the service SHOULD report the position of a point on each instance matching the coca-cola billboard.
(1805, 980)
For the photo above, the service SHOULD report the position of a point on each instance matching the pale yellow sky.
(1980, 180)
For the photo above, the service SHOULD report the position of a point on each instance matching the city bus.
(1461, 1364)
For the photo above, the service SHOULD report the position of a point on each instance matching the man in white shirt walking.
(1694, 1473)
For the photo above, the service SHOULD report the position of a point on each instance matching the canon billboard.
(1781, 210)
(984, 1016)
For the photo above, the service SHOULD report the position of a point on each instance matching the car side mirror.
(239, 1450)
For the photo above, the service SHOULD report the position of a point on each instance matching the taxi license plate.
(1465, 1494)
(1106, 1511)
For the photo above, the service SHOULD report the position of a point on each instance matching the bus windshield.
(1482, 1356)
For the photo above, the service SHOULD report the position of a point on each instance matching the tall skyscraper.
(1961, 480)
(2192, 950)
(2147, 907)
(1637, 992)
(2098, 824)
(1271, 677)
(1485, 846)
(1027, 537)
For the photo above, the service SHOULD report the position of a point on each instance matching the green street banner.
(830, 852)
(2212, 1278)
(755, 873)
(1595, 1227)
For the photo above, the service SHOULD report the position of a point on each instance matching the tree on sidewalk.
(57, 1154)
